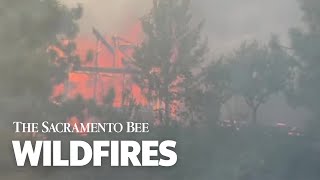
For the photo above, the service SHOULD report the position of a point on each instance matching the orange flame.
(81, 83)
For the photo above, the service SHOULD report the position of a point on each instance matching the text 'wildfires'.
(81, 153)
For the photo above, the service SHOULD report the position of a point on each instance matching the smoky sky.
(110, 16)
(228, 22)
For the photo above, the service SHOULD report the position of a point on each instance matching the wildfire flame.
(82, 83)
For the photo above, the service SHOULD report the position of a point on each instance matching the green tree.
(171, 52)
(305, 44)
(27, 73)
(215, 82)
(28, 29)
(259, 71)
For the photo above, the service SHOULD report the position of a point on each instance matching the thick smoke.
(110, 16)
(230, 22)
(227, 22)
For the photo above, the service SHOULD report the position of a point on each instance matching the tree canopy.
(28, 29)
(258, 72)
(171, 52)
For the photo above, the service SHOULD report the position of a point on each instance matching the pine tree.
(169, 56)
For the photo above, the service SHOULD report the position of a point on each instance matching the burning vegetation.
(162, 65)
(104, 68)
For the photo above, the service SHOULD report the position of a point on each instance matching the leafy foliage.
(259, 71)
(172, 50)
(216, 79)
(305, 44)
(28, 29)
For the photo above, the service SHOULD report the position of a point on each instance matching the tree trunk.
(254, 114)
(160, 115)
(167, 110)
